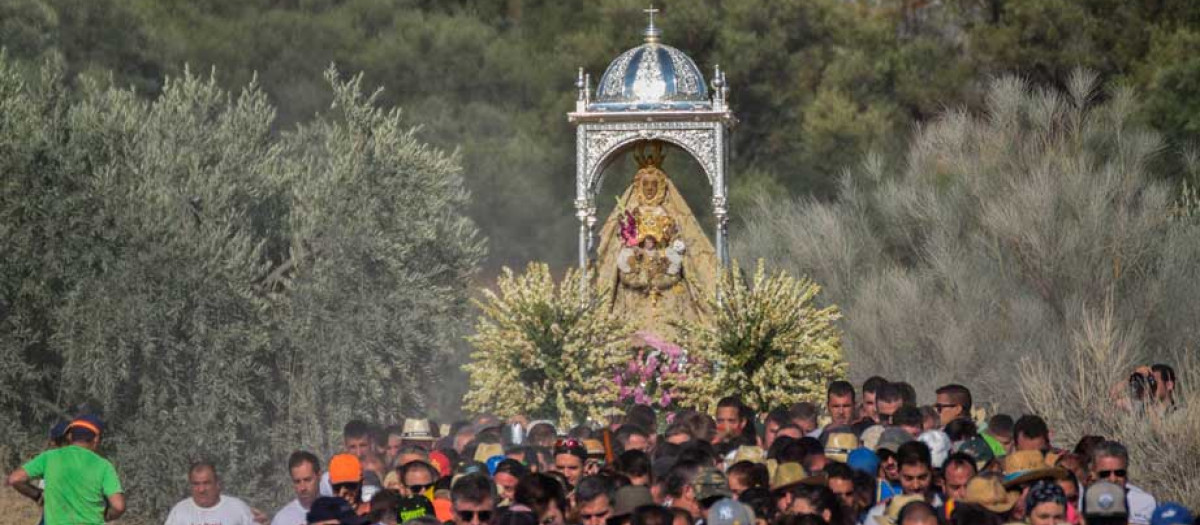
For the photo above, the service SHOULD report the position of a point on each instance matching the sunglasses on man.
(417, 489)
(1106, 474)
(469, 515)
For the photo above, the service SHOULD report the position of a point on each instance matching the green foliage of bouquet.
(545, 349)
(766, 341)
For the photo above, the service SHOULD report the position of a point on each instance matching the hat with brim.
(790, 474)
(417, 430)
(989, 492)
(345, 468)
(870, 437)
(331, 508)
(486, 451)
(891, 514)
(1029, 465)
(892, 438)
(90, 422)
(838, 446)
(1021, 478)
(749, 453)
(594, 447)
(710, 483)
(1105, 500)
(627, 499)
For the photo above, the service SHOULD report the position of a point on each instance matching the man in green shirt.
(81, 486)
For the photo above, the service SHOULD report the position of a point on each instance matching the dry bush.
(979, 247)
(1074, 393)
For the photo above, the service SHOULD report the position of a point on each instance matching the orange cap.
(345, 468)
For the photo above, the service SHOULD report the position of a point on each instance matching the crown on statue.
(649, 154)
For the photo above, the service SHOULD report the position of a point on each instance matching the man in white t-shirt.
(208, 506)
(305, 470)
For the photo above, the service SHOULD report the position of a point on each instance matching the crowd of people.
(870, 456)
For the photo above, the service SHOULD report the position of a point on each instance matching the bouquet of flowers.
(647, 378)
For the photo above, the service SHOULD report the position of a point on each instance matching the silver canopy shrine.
(651, 251)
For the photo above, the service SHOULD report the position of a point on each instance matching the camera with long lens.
(1142, 385)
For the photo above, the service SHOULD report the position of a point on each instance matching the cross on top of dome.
(652, 31)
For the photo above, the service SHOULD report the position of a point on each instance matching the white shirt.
(228, 511)
(1141, 505)
(291, 514)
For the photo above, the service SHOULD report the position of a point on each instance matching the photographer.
(1148, 387)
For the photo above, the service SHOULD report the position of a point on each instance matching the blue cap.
(863, 459)
(331, 508)
(494, 462)
(1172, 514)
(90, 422)
(58, 431)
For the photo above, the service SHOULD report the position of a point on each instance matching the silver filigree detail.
(648, 82)
(687, 80)
(613, 83)
(700, 143)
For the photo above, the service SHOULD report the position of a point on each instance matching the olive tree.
(217, 288)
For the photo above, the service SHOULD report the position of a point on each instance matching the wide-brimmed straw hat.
(1025, 466)
(792, 473)
(989, 493)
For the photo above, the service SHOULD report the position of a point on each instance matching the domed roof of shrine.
(651, 77)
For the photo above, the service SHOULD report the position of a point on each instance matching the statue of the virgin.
(653, 253)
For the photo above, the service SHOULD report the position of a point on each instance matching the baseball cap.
(58, 431)
(863, 459)
(892, 438)
(88, 421)
(331, 508)
(1172, 513)
(729, 512)
(939, 446)
(439, 460)
(710, 483)
(978, 449)
(345, 468)
(1104, 500)
(494, 462)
